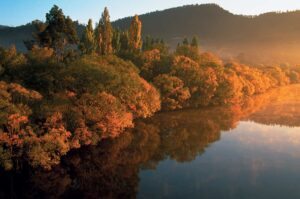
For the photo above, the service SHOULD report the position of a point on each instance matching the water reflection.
(170, 156)
(244, 164)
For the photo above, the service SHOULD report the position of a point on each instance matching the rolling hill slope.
(271, 38)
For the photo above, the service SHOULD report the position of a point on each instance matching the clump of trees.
(65, 93)
(104, 34)
(58, 32)
(87, 42)
(208, 80)
(110, 170)
(174, 94)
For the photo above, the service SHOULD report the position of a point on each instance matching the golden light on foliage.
(57, 97)
(135, 33)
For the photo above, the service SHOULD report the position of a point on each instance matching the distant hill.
(3, 27)
(267, 38)
(16, 35)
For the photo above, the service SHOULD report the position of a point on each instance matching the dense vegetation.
(270, 38)
(67, 92)
(111, 169)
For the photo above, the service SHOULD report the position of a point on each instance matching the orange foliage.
(46, 150)
(208, 59)
(142, 102)
(135, 30)
(174, 94)
(149, 57)
(40, 55)
(103, 114)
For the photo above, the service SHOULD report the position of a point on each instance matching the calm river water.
(247, 151)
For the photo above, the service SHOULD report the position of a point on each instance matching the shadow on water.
(111, 169)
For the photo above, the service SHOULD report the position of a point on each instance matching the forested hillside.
(271, 38)
(268, 38)
(68, 90)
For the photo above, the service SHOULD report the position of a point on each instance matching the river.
(244, 151)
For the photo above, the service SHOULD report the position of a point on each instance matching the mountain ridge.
(268, 38)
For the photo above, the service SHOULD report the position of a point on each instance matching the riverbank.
(120, 167)
(59, 97)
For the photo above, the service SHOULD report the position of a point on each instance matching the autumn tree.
(45, 150)
(40, 55)
(135, 33)
(173, 93)
(293, 76)
(104, 113)
(12, 139)
(202, 82)
(278, 75)
(87, 43)
(208, 59)
(104, 34)
(15, 109)
(229, 90)
(10, 59)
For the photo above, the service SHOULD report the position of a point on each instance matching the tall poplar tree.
(135, 33)
(104, 34)
(87, 43)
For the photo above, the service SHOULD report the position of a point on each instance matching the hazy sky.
(17, 12)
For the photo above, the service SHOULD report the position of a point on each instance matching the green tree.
(58, 32)
(124, 41)
(87, 43)
(116, 41)
(104, 34)
(188, 51)
(195, 42)
(185, 41)
(150, 44)
(147, 43)
(10, 60)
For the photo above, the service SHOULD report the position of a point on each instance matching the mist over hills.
(271, 38)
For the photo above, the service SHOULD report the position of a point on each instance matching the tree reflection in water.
(111, 169)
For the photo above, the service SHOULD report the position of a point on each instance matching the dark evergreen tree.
(58, 31)
(195, 42)
(185, 41)
(124, 41)
(116, 41)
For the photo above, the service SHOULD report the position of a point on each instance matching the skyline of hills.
(270, 38)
